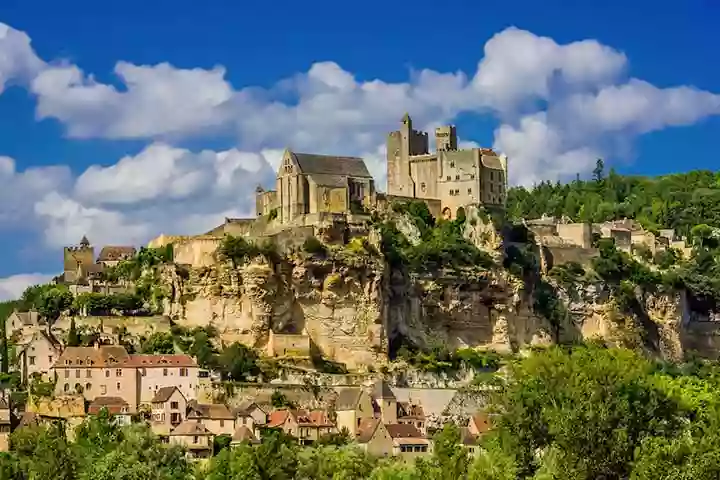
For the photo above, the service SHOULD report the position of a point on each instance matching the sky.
(125, 120)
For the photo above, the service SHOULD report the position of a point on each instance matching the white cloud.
(559, 107)
(18, 61)
(159, 100)
(13, 286)
(22, 188)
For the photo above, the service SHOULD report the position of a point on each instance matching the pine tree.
(73, 339)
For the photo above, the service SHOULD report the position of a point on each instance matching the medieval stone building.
(455, 177)
(309, 184)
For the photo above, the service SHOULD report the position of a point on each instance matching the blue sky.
(123, 120)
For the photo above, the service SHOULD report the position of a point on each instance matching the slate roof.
(103, 356)
(347, 399)
(160, 361)
(366, 429)
(382, 390)
(163, 394)
(213, 411)
(244, 434)
(191, 427)
(310, 163)
(112, 253)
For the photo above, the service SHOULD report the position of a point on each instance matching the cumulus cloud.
(18, 61)
(559, 107)
(13, 286)
(22, 188)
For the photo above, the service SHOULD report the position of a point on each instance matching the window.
(50, 358)
(164, 372)
(423, 187)
(143, 372)
(491, 175)
(31, 360)
(183, 372)
(88, 386)
(245, 421)
(88, 373)
(77, 373)
(67, 373)
(117, 385)
(472, 176)
(457, 177)
(452, 164)
(174, 405)
(222, 423)
(448, 178)
(469, 191)
(492, 187)
(66, 387)
(118, 372)
(195, 439)
(103, 389)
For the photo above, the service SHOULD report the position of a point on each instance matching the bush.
(313, 246)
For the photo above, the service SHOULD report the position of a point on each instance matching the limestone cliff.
(356, 309)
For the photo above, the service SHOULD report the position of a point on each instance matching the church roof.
(311, 163)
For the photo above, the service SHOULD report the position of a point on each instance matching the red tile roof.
(277, 418)
(114, 405)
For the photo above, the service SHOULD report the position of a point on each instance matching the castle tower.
(401, 145)
(75, 256)
(446, 138)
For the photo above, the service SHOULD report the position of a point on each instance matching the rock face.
(356, 310)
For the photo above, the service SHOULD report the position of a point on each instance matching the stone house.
(352, 406)
(411, 414)
(307, 427)
(195, 437)
(373, 436)
(310, 184)
(469, 441)
(24, 323)
(97, 371)
(217, 417)
(115, 406)
(111, 255)
(36, 354)
(250, 415)
(158, 371)
(5, 423)
(169, 409)
(457, 177)
(408, 441)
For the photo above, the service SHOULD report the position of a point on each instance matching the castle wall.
(424, 172)
(384, 203)
(558, 255)
(197, 251)
(458, 180)
(284, 345)
(579, 234)
(239, 227)
(75, 256)
(109, 325)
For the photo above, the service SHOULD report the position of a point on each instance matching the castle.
(310, 184)
(457, 178)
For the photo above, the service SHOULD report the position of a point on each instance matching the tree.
(599, 170)
(159, 343)
(237, 362)
(73, 339)
(449, 460)
(53, 303)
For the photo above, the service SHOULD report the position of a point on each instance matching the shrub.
(313, 246)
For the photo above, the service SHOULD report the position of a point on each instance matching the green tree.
(237, 362)
(73, 339)
(53, 303)
(599, 170)
(449, 460)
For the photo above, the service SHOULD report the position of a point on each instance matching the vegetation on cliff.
(680, 201)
